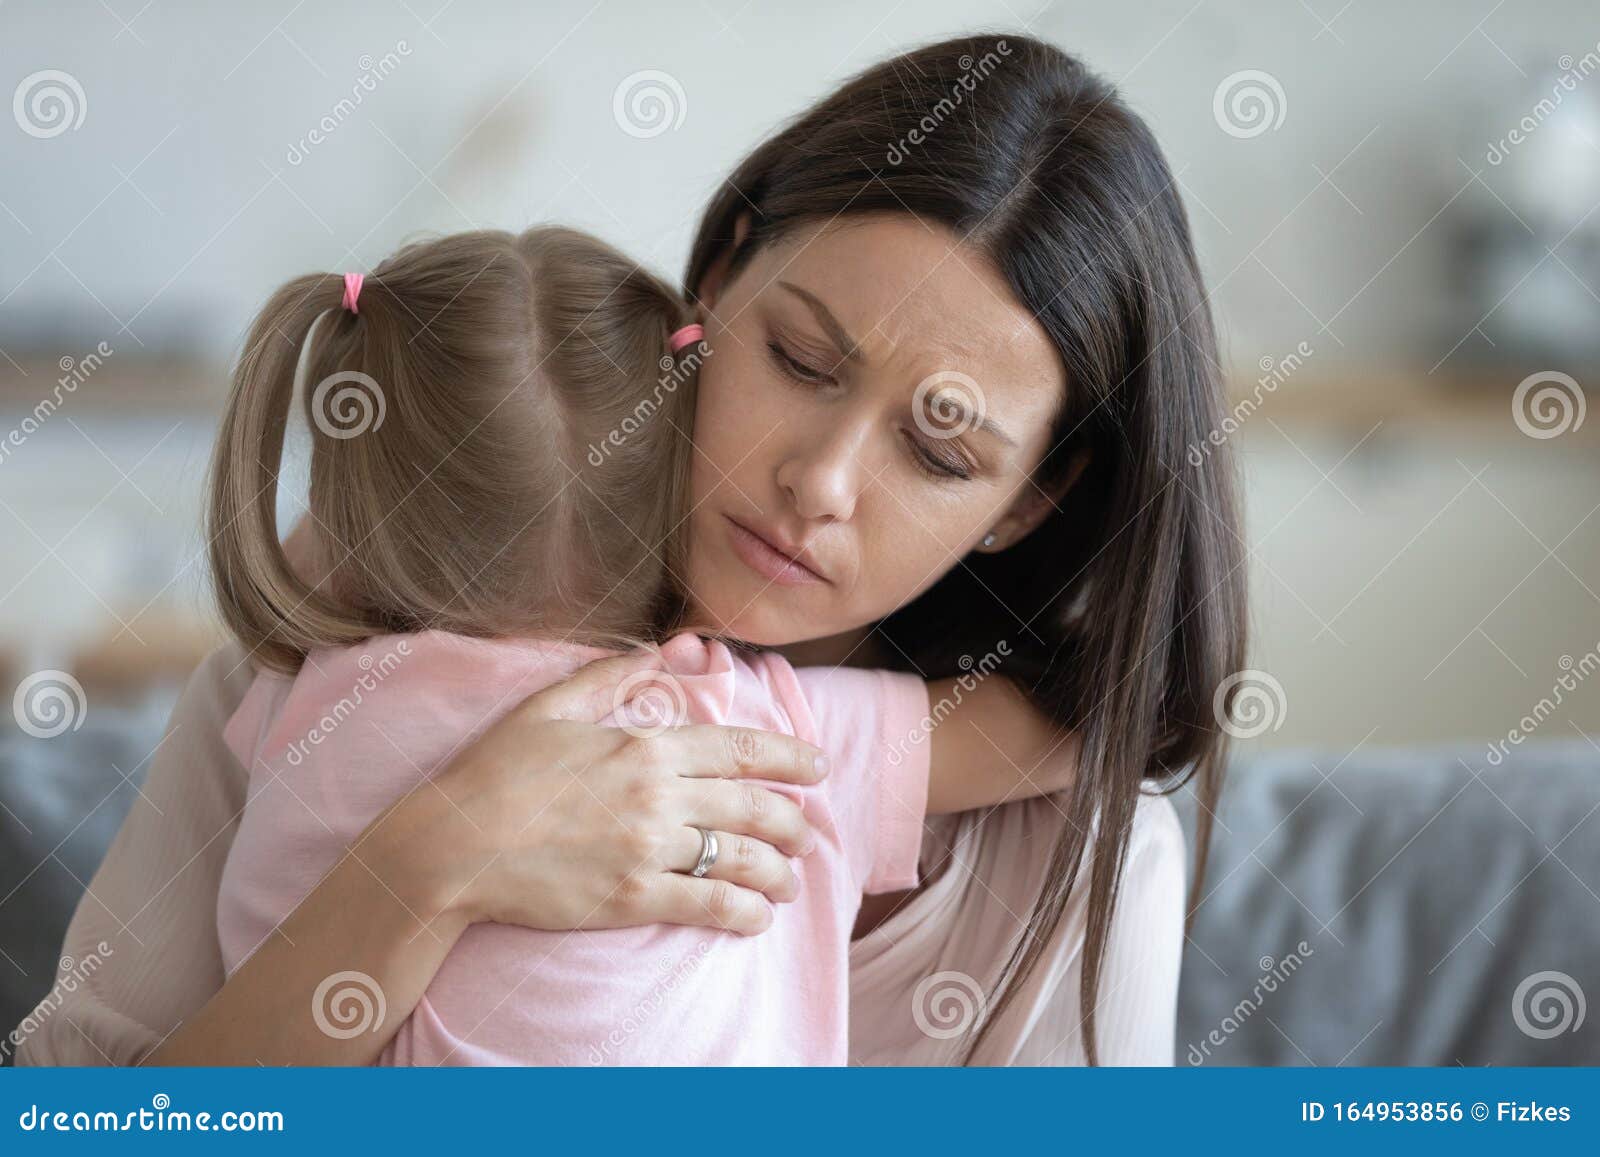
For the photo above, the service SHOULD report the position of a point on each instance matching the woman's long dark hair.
(1125, 609)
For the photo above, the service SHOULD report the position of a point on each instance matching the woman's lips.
(767, 560)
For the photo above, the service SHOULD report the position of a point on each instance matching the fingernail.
(821, 765)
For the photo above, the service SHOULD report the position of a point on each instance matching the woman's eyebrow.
(849, 348)
(969, 419)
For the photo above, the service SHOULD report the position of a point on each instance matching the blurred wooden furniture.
(123, 668)
(1443, 405)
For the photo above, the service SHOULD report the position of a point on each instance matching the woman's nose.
(824, 478)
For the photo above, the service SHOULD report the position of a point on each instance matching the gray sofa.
(1375, 907)
(1450, 909)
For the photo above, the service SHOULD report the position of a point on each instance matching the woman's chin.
(756, 622)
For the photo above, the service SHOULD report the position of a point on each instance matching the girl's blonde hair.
(500, 445)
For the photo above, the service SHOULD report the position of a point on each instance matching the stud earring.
(988, 539)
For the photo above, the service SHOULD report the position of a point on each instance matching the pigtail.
(269, 607)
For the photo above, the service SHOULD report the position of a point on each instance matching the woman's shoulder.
(1157, 848)
(1157, 867)
(1155, 830)
(1156, 827)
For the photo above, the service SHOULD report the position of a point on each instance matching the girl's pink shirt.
(359, 727)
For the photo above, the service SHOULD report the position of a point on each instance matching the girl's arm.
(991, 746)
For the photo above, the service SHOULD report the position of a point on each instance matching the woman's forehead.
(914, 298)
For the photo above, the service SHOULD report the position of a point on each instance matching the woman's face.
(873, 405)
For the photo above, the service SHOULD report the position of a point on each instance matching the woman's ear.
(715, 279)
(1032, 507)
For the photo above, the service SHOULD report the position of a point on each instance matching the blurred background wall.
(1396, 206)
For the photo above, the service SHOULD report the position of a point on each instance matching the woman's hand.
(551, 820)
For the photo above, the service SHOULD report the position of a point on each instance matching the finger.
(752, 810)
(715, 751)
(592, 692)
(678, 899)
(741, 860)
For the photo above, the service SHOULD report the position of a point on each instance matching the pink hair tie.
(352, 289)
(682, 337)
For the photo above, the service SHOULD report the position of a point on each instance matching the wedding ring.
(708, 852)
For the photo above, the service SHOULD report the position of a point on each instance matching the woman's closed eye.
(796, 368)
(943, 466)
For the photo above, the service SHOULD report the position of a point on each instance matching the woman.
(960, 352)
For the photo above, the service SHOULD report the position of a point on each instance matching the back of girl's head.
(499, 445)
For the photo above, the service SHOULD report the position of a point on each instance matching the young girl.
(500, 431)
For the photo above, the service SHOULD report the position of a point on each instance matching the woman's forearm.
(376, 918)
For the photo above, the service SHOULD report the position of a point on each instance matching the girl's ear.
(1032, 507)
(715, 279)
